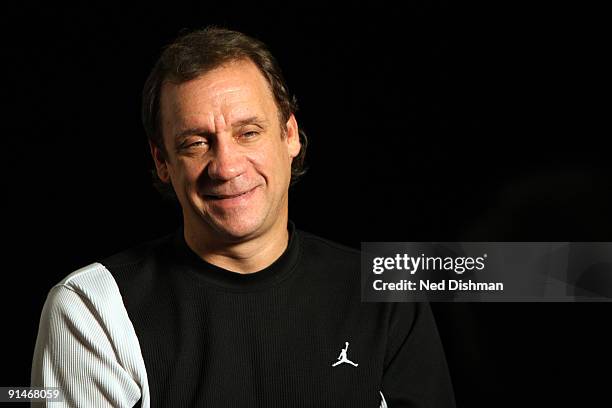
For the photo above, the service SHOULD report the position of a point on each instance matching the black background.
(426, 122)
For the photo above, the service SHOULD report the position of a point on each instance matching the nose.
(227, 161)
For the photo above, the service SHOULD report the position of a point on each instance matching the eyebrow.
(253, 120)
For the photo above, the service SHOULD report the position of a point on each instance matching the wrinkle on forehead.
(218, 98)
(219, 123)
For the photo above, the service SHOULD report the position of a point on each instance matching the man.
(238, 308)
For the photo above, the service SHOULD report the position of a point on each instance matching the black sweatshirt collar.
(208, 273)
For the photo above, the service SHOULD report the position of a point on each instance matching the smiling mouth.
(226, 196)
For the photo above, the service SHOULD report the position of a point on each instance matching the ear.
(160, 162)
(293, 137)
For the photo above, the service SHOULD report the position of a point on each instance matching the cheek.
(272, 163)
(258, 160)
(185, 172)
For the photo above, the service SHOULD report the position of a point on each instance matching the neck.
(241, 256)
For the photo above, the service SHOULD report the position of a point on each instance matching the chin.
(233, 224)
(236, 228)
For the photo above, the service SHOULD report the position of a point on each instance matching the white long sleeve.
(87, 346)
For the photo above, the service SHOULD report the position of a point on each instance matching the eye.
(250, 134)
(197, 143)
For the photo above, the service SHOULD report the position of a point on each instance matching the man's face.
(226, 158)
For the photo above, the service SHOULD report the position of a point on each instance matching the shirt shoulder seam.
(329, 243)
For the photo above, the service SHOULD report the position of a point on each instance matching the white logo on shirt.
(383, 403)
(342, 357)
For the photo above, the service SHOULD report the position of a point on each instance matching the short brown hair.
(193, 54)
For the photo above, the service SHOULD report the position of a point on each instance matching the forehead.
(235, 90)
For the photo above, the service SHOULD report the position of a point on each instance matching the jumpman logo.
(342, 357)
(383, 403)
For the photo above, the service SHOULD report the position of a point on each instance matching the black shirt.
(278, 337)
